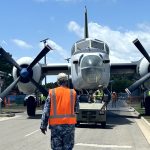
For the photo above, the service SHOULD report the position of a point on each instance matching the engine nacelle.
(143, 69)
(26, 86)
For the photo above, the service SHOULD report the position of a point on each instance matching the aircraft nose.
(89, 61)
(91, 69)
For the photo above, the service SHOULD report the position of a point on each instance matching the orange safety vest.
(62, 106)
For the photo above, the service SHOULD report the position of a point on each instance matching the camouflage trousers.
(62, 137)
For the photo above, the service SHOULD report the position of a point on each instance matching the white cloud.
(73, 26)
(59, 51)
(120, 42)
(22, 44)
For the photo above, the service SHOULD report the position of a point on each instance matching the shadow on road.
(113, 119)
(37, 116)
(119, 118)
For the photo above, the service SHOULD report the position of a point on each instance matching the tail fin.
(86, 34)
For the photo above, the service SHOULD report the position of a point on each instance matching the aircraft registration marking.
(105, 146)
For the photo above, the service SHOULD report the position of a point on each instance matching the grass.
(141, 110)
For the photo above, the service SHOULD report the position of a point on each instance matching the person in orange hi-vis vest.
(114, 99)
(59, 112)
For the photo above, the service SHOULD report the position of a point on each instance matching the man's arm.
(76, 108)
(45, 115)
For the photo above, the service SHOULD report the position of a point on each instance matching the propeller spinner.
(24, 72)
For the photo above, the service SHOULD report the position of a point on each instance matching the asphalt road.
(121, 133)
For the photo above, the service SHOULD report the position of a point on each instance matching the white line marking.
(8, 118)
(31, 133)
(104, 146)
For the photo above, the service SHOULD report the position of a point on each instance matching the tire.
(31, 106)
(147, 106)
(103, 124)
(77, 124)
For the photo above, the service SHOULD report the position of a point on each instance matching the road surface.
(121, 133)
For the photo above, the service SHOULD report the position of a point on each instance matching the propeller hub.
(24, 73)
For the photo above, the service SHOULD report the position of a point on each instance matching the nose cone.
(91, 68)
(91, 61)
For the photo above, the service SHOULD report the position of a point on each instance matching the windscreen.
(91, 68)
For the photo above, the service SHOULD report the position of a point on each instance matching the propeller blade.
(9, 88)
(45, 50)
(40, 87)
(138, 44)
(9, 58)
(137, 83)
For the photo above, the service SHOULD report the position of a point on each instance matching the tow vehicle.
(91, 112)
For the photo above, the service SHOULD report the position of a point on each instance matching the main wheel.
(103, 124)
(147, 105)
(31, 106)
(77, 124)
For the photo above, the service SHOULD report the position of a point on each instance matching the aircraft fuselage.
(90, 64)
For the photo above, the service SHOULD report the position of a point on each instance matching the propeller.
(138, 44)
(46, 49)
(9, 58)
(9, 88)
(25, 73)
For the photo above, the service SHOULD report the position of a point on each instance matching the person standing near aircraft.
(114, 98)
(59, 112)
(98, 94)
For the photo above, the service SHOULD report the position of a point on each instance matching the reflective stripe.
(71, 100)
(55, 106)
(54, 101)
(62, 116)
(99, 94)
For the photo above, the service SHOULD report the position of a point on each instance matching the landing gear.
(103, 124)
(147, 105)
(77, 124)
(31, 105)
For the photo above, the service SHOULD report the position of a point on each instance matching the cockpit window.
(82, 45)
(99, 45)
(95, 45)
(107, 48)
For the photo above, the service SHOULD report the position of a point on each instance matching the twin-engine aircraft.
(90, 67)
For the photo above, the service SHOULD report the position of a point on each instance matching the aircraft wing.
(54, 69)
(115, 68)
(123, 68)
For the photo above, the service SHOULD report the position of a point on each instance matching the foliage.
(51, 85)
(6, 67)
(120, 82)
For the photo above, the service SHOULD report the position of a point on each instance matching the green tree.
(6, 67)
(120, 82)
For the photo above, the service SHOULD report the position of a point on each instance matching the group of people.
(59, 113)
(99, 96)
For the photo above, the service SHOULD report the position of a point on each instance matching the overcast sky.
(24, 23)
